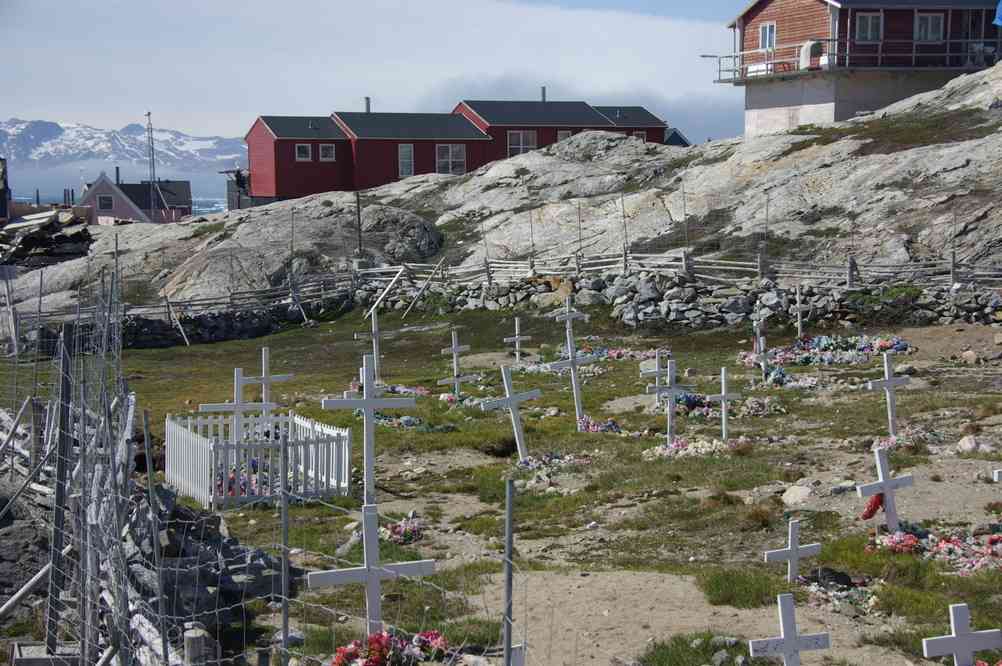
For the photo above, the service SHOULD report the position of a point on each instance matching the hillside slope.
(906, 183)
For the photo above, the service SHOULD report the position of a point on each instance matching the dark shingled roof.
(303, 127)
(539, 113)
(445, 126)
(921, 4)
(175, 193)
(631, 116)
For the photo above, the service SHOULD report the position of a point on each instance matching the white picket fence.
(222, 462)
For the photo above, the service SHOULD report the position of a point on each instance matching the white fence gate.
(220, 464)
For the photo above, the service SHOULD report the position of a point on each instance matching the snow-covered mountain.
(43, 144)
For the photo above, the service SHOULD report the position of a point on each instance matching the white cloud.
(214, 66)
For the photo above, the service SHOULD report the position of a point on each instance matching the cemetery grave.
(597, 520)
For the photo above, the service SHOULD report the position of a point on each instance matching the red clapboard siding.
(299, 179)
(796, 22)
(376, 159)
(261, 160)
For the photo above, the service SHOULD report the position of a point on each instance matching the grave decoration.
(793, 553)
(823, 350)
(790, 643)
(385, 649)
(404, 531)
(552, 461)
(693, 448)
(883, 491)
(841, 593)
(959, 550)
(511, 402)
(962, 644)
(568, 315)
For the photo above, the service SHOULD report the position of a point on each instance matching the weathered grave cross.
(724, 398)
(568, 315)
(889, 384)
(372, 572)
(800, 315)
(456, 379)
(374, 335)
(238, 407)
(793, 553)
(368, 402)
(668, 390)
(962, 643)
(886, 486)
(518, 339)
(659, 368)
(511, 402)
(762, 355)
(789, 644)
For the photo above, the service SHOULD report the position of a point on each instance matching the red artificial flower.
(875, 504)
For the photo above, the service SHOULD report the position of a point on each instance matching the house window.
(450, 158)
(869, 27)
(563, 134)
(928, 27)
(521, 141)
(767, 36)
(405, 160)
(105, 202)
(304, 152)
(326, 152)
(640, 135)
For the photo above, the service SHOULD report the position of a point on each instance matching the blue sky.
(212, 67)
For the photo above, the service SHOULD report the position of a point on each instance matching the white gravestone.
(568, 315)
(793, 553)
(789, 644)
(889, 384)
(886, 486)
(517, 340)
(511, 402)
(724, 398)
(669, 390)
(369, 402)
(457, 379)
(962, 643)
(238, 407)
(372, 572)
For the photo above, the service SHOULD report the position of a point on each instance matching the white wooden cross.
(518, 339)
(266, 379)
(793, 553)
(511, 402)
(659, 368)
(962, 643)
(368, 402)
(372, 572)
(997, 476)
(762, 355)
(568, 315)
(800, 315)
(889, 384)
(374, 335)
(456, 379)
(238, 407)
(724, 398)
(789, 644)
(669, 391)
(887, 486)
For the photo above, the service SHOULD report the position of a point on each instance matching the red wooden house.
(815, 61)
(293, 156)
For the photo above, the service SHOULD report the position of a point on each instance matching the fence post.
(761, 265)
(577, 263)
(194, 646)
(284, 471)
(509, 553)
(687, 267)
(490, 276)
(626, 258)
(953, 268)
(851, 270)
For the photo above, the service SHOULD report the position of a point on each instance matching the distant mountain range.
(49, 155)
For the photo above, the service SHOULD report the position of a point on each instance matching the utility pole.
(509, 543)
(153, 162)
(580, 236)
(685, 218)
(358, 220)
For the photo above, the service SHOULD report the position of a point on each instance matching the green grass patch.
(740, 588)
(694, 650)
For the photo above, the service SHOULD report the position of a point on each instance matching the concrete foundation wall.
(779, 105)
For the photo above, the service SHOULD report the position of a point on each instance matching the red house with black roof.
(294, 156)
(820, 61)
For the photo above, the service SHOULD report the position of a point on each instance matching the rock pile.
(43, 239)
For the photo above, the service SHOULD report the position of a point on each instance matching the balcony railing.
(828, 54)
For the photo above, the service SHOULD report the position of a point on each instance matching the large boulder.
(409, 237)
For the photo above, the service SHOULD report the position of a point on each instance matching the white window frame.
(320, 152)
(455, 163)
(764, 34)
(105, 197)
(868, 16)
(640, 134)
(309, 147)
(405, 165)
(942, 27)
(521, 145)
(564, 134)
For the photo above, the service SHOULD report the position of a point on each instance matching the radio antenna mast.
(153, 162)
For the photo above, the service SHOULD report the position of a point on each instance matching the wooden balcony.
(812, 56)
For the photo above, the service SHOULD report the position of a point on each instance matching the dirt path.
(578, 618)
